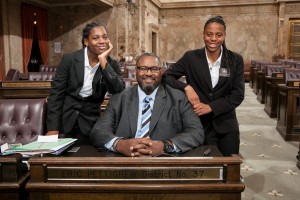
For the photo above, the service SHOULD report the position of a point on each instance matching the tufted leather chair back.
(41, 76)
(170, 63)
(12, 75)
(22, 120)
(127, 82)
(275, 69)
(291, 74)
(47, 68)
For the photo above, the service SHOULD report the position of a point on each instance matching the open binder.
(45, 147)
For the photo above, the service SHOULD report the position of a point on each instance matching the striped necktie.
(146, 117)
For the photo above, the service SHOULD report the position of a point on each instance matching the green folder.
(52, 146)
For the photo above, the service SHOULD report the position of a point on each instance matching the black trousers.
(227, 143)
(76, 133)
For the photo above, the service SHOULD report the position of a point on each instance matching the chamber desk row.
(24, 89)
(288, 115)
(89, 174)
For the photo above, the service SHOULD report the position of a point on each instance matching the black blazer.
(65, 105)
(172, 118)
(223, 98)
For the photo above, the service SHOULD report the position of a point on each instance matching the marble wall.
(66, 25)
(255, 30)
(11, 56)
(251, 30)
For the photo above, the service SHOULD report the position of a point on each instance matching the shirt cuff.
(109, 145)
(177, 149)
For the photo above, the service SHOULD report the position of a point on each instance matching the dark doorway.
(35, 56)
(154, 40)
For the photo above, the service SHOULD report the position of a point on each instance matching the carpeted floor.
(269, 163)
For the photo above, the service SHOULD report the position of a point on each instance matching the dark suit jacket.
(172, 118)
(223, 98)
(65, 105)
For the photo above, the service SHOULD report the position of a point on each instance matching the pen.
(207, 152)
(41, 145)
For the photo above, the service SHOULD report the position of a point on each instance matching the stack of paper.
(45, 147)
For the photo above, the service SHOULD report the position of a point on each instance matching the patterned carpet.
(269, 163)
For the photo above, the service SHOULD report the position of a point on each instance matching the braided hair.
(230, 60)
(87, 31)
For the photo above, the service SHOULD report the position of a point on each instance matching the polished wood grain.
(24, 89)
(73, 184)
(288, 123)
(13, 176)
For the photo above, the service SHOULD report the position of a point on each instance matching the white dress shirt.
(214, 68)
(89, 73)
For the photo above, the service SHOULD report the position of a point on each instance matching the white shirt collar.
(142, 94)
(218, 61)
(86, 59)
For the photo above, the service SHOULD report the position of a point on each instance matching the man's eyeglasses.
(145, 69)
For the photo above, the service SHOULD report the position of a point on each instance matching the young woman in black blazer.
(215, 86)
(80, 84)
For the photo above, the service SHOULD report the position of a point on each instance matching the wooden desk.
(24, 89)
(106, 175)
(260, 86)
(254, 79)
(13, 176)
(288, 124)
(298, 163)
(251, 76)
(271, 95)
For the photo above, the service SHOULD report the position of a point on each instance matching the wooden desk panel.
(251, 76)
(13, 177)
(112, 176)
(271, 95)
(288, 124)
(298, 163)
(24, 89)
(254, 79)
(298, 156)
(260, 86)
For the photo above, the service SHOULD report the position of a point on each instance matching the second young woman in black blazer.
(215, 86)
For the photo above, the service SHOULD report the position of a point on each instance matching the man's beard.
(147, 88)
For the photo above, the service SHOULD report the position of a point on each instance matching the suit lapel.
(79, 67)
(132, 109)
(205, 69)
(158, 107)
(222, 79)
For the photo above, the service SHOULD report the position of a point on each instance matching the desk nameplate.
(293, 83)
(130, 174)
(277, 74)
(25, 84)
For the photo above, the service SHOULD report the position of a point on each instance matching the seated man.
(150, 118)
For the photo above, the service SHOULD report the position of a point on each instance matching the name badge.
(224, 72)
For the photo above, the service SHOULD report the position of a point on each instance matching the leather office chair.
(270, 69)
(22, 120)
(12, 75)
(170, 63)
(127, 82)
(47, 68)
(291, 74)
(41, 76)
(131, 74)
